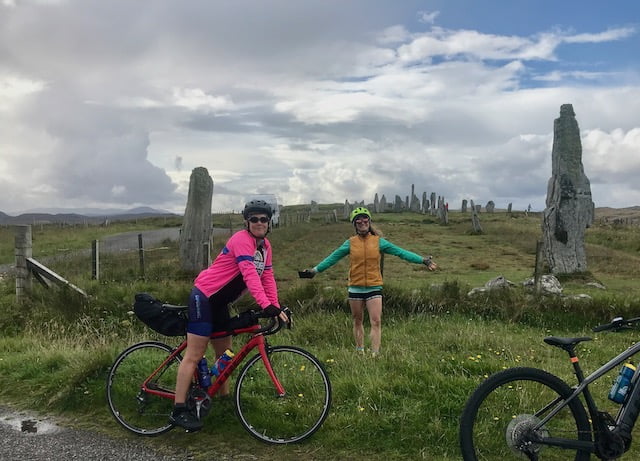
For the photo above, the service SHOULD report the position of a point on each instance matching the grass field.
(438, 344)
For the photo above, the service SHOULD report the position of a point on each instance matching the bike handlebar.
(275, 324)
(617, 324)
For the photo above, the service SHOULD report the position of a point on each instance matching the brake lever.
(287, 312)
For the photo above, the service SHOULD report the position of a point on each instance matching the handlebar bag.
(169, 321)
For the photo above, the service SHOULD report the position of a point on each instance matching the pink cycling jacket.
(241, 255)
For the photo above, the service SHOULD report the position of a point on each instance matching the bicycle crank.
(199, 402)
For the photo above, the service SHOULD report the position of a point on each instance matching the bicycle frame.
(256, 341)
(627, 415)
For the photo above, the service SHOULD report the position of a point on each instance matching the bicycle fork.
(267, 364)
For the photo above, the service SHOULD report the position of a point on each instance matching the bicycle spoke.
(501, 420)
(142, 412)
(289, 418)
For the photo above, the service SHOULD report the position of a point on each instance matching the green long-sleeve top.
(385, 247)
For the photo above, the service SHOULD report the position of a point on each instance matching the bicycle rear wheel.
(138, 411)
(497, 421)
(287, 418)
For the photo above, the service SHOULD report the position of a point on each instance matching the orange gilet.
(364, 256)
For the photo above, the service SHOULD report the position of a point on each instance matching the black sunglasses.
(255, 219)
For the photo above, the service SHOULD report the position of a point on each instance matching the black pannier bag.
(169, 321)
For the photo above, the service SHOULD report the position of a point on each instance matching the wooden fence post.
(23, 250)
(95, 260)
(537, 274)
(141, 254)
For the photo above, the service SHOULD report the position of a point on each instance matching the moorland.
(438, 343)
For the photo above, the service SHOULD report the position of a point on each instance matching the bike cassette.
(521, 436)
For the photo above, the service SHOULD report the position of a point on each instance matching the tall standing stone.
(398, 204)
(383, 204)
(464, 206)
(569, 207)
(475, 219)
(490, 206)
(376, 204)
(346, 211)
(195, 237)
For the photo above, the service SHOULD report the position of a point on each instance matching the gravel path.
(25, 436)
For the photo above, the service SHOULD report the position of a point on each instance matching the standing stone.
(397, 206)
(490, 207)
(195, 237)
(314, 206)
(383, 204)
(425, 204)
(414, 204)
(509, 208)
(346, 211)
(376, 204)
(475, 219)
(569, 208)
(443, 213)
(464, 206)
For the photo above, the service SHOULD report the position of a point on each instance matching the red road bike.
(282, 393)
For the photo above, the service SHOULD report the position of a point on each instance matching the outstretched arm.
(333, 258)
(388, 247)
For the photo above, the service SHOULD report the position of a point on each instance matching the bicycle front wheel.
(141, 412)
(287, 418)
(498, 420)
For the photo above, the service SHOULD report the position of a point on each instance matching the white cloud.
(606, 36)
(307, 100)
(427, 17)
(613, 155)
(13, 88)
(197, 99)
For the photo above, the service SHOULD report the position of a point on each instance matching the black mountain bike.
(528, 413)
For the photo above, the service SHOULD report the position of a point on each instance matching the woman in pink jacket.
(244, 264)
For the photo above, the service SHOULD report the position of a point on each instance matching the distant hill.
(80, 216)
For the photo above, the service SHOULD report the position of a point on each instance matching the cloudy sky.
(112, 104)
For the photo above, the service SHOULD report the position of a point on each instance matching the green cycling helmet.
(359, 211)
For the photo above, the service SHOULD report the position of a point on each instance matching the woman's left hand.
(429, 263)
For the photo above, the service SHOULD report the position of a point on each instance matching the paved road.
(129, 241)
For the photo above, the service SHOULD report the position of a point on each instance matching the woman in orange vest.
(365, 277)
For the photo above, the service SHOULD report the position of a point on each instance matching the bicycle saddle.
(565, 343)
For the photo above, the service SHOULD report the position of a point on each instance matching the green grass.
(438, 344)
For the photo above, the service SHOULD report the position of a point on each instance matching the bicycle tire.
(294, 416)
(140, 412)
(497, 413)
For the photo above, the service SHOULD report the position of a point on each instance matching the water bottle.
(203, 373)
(222, 362)
(622, 384)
